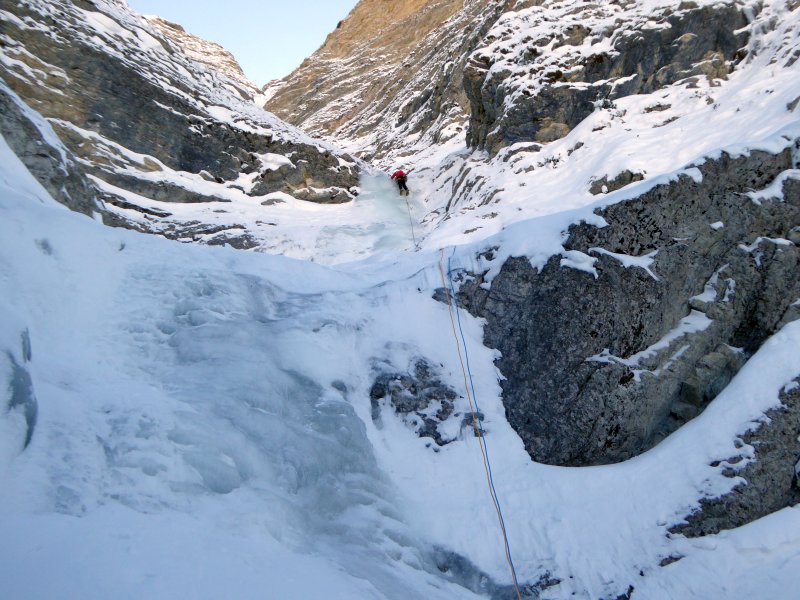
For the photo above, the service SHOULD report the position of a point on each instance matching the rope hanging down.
(474, 409)
(411, 220)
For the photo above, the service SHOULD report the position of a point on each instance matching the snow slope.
(188, 442)
(196, 436)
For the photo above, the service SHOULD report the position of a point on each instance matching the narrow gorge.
(240, 333)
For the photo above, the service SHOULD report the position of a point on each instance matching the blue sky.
(269, 38)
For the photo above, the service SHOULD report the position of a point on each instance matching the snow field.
(175, 386)
(208, 409)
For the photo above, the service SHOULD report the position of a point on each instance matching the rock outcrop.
(421, 400)
(390, 75)
(136, 118)
(543, 69)
(680, 288)
(770, 478)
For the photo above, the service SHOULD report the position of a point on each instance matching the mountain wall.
(389, 76)
(680, 287)
(542, 70)
(111, 113)
(394, 78)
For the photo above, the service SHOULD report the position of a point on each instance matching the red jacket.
(398, 174)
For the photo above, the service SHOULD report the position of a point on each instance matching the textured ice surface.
(187, 407)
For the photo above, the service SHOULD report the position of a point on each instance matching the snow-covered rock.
(601, 365)
(138, 116)
(208, 53)
(389, 79)
(767, 481)
(542, 70)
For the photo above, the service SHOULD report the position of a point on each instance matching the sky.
(269, 38)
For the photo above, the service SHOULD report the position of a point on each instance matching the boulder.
(419, 397)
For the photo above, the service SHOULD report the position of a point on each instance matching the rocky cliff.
(542, 70)
(397, 77)
(214, 56)
(389, 76)
(681, 286)
(119, 119)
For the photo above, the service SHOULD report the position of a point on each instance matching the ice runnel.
(377, 221)
(259, 421)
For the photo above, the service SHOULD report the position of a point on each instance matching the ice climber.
(400, 177)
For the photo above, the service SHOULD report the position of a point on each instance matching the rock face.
(214, 56)
(684, 284)
(543, 69)
(524, 71)
(129, 116)
(43, 153)
(390, 75)
(771, 479)
(421, 400)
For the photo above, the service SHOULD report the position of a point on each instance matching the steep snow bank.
(191, 435)
(205, 424)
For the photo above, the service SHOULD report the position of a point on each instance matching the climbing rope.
(477, 425)
(411, 220)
